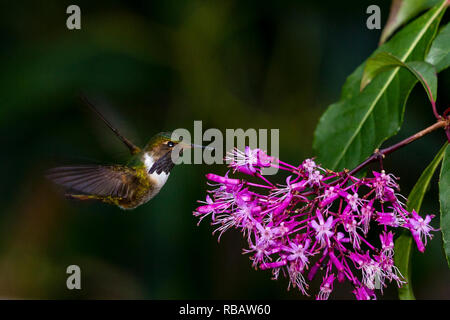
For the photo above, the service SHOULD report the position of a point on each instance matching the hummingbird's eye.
(170, 144)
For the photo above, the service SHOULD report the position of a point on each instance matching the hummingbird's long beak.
(202, 147)
(186, 145)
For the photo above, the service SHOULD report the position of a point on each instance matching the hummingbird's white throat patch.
(159, 179)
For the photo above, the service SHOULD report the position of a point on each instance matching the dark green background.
(154, 66)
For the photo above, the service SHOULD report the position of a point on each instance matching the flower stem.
(380, 154)
(436, 114)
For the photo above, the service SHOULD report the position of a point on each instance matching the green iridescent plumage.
(126, 186)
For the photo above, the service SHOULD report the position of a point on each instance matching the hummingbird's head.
(161, 144)
(164, 149)
(165, 142)
(158, 153)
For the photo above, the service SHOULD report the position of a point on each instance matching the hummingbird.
(126, 186)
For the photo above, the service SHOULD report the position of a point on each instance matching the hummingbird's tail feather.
(82, 197)
(130, 145)
(91, 197)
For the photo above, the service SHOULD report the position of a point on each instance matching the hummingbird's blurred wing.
(114, 181)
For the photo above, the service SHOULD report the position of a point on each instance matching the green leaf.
(403, 248)
(350, 130)
(403, 244)
(439, 54)
(401, 12)
(444, 199)
(416, 195)
(384, 61)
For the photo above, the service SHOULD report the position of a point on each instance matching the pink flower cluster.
(317, 222)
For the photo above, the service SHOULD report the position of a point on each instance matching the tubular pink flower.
(322, 228)
(309, 166)
(223, 180)
(298, 253)
(363, 293)
(319, 218)
(329, 196)
(326, 287)
(387, 243)
(420, 229)
(250, 161)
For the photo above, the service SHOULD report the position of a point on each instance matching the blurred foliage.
(154, 66)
